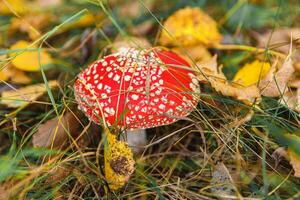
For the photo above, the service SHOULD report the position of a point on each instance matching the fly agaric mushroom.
(137, 89)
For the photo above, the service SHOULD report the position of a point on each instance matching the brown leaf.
(142, 28)
(245, 94)
(291, 99)
(210, 69)
(278, 155)
(275, 82)
(295, 161)
(55, 132)
(32, 24)
(280, 40)
(212, 73)
(132, 9)
(25, 95)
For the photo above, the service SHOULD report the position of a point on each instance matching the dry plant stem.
(248, 48)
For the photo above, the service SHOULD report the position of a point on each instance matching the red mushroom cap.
(137, 89)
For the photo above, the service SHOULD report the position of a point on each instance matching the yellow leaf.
(13, 74)
(25, 95)
(83, 21)
(190, 26)
(119, 163)
(252, 72)
(4, 74)
(295, 161)
(20, 77)
(28, 60)
(7, 7)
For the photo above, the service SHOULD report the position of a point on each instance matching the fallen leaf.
(295, 161)
(275, 82)
(142, 28)
(8, 7)
(85, 20)
(221, 181)
(291, 99)
(55, 132)
(118, 161)
(297, 67)
(252, 72)
(32, 24)
(19, 77)
(211, 73)
(280, 40)
(190, 26)
(14, 75)
(278, 155)
(4, 74)
(29, 59)
(25, 95)
(246, 94)
(134, 9)
(47, 3)
(126, 42)
(194, 54)
(209, 69)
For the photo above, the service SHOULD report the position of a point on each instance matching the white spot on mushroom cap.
(127, 78)
(134, 97)
(110, 75)
(116, 77)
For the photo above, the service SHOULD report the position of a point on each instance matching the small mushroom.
(137, 89)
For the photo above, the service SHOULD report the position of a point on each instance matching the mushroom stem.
(136, 139)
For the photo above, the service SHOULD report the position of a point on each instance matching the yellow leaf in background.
(194, 54)
(190, 26)
(7, 7)
(28, 60)
(4, 74)
(295, 161)
(32, 24)
(85, 20)
(252, 72)
(15, 75)
(25, 95)
(20, 77)
(119, 163)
